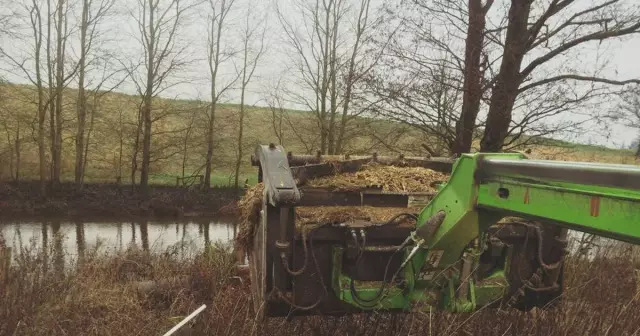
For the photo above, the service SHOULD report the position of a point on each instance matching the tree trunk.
(96, 107)
(333, 66)
(185, 147)
(473, 78)
(42, 161)
(18, 155)
(82, 99)
(41, 107)
(52, 133)
(49, 104)
(60, 55)
(240, 131)
(508, 81)
(323, 137)
(210, 132)
(136, 149)
(120, 149)
(146, 146)
(11, 145)
(147, 99)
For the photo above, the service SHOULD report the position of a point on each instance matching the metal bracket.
(280, 186)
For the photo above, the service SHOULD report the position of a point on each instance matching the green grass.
(364, 135)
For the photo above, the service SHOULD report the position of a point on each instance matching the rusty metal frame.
(284, 175)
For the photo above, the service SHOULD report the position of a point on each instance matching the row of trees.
(69, 44)
(487, 74)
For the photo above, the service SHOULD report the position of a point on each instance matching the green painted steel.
(484, 188)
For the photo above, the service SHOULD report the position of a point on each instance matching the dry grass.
(581, 155)
(98, 297)
(250, 206)
(43, 295)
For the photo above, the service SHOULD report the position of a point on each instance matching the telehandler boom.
(495, 234)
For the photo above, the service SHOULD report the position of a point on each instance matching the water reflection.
(76, 238)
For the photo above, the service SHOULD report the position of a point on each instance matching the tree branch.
(578, 78)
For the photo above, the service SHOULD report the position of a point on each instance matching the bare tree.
(96, 94)
(251, 55)
(158, 23)
(277, 116)
(628, 111)
(217, 55)
(424, 79)
(330, 61)
(187, 138)
(547, 33)
(12, 122)
(427, 99)
(92, 14)
(355, 72)
(29, 64)
(58, 80)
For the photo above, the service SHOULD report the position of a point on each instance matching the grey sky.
(119, 34)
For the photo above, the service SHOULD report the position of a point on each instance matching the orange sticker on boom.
(595, 206)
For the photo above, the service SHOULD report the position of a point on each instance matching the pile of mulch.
(390, 179)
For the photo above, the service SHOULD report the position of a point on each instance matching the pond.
(74, 238)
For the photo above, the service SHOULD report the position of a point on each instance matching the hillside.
(179, 134)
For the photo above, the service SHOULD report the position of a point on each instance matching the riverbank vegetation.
(106, 294)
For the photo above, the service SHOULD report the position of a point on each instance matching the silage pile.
(391, 179)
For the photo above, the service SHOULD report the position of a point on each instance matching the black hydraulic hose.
(320, 278)
(354, 292)
(404, 214)
(385, 283)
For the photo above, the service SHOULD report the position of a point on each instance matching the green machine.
(495, 234)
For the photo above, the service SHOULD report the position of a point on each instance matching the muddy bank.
(23, 199)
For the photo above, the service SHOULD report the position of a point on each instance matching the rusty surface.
(308, 172)
(325, 197)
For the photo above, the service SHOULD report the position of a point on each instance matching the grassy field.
(179, 134)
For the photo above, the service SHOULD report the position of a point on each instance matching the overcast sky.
(119, 33)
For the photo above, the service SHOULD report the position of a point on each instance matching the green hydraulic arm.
(603, 199)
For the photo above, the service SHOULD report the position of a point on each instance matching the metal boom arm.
(451, 232)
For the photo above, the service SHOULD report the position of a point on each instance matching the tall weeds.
(100, 296)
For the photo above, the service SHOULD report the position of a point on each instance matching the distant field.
(115, 121)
